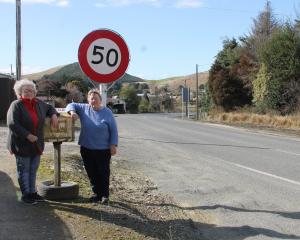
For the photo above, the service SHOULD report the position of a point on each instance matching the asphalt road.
(246, 182)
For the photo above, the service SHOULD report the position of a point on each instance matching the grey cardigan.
(20, 125)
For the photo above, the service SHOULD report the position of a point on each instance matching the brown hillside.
(174, 83)
(39, 75)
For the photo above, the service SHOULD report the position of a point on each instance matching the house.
(7, 94)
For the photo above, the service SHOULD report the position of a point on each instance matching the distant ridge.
(39, 75)
(73, 70)
(174, 82)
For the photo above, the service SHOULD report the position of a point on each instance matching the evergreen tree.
(226, 87)
(263, 27)
(281, 55)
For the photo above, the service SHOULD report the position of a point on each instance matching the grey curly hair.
(21, 83)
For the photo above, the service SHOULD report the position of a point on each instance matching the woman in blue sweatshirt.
(98, 141)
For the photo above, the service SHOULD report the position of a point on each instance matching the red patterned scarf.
(30, 107)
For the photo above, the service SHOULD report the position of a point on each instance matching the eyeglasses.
(28, 90)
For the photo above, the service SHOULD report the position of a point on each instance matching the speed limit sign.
(103, 56)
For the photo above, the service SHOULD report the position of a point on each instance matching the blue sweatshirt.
(98, 128)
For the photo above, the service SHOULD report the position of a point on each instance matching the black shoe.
(27, 199)
(35, 196)
(95, 198)
(105, 201)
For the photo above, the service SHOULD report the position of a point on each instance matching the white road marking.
(265, 173)
(256, 171)
(283, 151)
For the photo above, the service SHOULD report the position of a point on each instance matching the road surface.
(246, 182)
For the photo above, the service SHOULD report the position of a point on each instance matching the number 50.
(97, 52)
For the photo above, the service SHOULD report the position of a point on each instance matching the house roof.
(5, 75)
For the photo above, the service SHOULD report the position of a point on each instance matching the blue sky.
(165, 37)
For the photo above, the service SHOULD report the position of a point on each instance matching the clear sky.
(165, 37)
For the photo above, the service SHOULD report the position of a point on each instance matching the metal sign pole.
(103, 91)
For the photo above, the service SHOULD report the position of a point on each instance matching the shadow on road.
(234, 233)
(27, 222)
(149, 227)
(292, 215)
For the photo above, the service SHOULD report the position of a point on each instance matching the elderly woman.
(98, 141)
(25, 119)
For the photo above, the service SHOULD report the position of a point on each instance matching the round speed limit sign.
(103, 56)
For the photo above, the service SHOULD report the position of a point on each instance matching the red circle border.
(82, 56)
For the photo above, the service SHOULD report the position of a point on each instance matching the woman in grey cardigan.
(25, 119)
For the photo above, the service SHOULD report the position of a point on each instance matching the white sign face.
(104, 56)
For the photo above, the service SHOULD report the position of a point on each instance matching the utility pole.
(18, 40)
(186, 102)
(197, 93)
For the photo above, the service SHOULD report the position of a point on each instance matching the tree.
(74, 96)
(281, 56)
(225, 85)
(167, 102)
(129, 95)
(78, 83)
(205, 98)
(144, 106)
(260, 89)
(263, 27)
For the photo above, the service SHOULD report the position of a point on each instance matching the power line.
(239, 10)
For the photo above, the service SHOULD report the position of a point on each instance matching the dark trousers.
(97, 166)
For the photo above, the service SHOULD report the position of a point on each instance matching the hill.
(39, 75)
(174, 83)
(73, 71)
(62, 74)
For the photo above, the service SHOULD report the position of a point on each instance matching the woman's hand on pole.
(74, 115)
(54, 121)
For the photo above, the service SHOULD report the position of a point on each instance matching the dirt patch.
(138, 210)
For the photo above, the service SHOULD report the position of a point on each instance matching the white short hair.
(21, 83)
(95, 91)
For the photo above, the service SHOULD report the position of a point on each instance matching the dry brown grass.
(291, 122)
